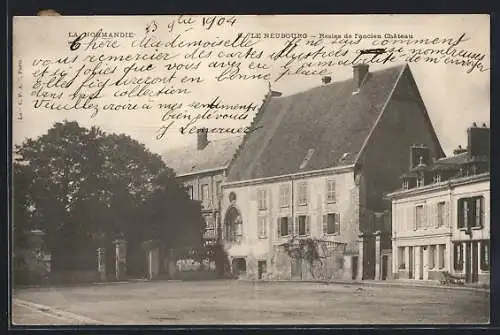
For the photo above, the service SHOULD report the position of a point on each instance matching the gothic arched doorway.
(233, 224)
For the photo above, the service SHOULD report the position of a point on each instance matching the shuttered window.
(303, 225)
(284, 226)
(470, 212)
(331, 223)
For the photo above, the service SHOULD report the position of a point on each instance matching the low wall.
(195, 275)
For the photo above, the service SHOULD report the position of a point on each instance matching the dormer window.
(437, 178)
(308, 156)
(406, 184)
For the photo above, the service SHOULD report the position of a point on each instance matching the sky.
(454, 98)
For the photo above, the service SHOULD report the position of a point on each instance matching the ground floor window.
(432, 255)
(485, 255)
(458, 256)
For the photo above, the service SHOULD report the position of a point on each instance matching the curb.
(67, 316)
(390, 284)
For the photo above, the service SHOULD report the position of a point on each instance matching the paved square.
(239, 302)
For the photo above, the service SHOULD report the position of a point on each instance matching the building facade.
(303, 198)
(202, 169)
(440, 216)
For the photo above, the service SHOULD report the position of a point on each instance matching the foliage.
(84, 188)
(302, 248)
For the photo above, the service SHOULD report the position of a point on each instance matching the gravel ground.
(238, 302)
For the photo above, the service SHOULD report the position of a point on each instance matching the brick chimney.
(478, 140)
(419, 154)
(359, 73)
(202, 140)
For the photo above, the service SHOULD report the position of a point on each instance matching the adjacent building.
(312, 175)
(441, 213)
(202, 168)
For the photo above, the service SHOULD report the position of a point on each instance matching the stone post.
(172, 266)
(426, 251)
(360, 257)
(417, 261)
(377, 255)
(101, 263)
(395, 260)
(121, 259)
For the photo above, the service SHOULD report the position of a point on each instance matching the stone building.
(440, 215)
(202, 168)
(310, 179)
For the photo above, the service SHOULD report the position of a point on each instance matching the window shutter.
(337, 223)
(296, 226)
(290, 226)
(446, 215)
(308, 225)
(325, 224)
(434, 215)
(414, 218)
(278, 221)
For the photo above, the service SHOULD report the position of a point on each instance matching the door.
(296, 269)
(385, 261)
(261, 268)
(354, 267)
(410, 263)
(475, 270)
(468, 265)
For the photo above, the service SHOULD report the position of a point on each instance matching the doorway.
(385, 266)
(296, 269)
(262, 268)
(354, 267)
(239, 266)
(471, 262)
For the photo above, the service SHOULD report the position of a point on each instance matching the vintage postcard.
(233, 170)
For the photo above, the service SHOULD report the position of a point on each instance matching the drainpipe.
(293, 205)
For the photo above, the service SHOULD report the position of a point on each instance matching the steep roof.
(189, 160)
(320, 128)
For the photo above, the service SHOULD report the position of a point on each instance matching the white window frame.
(262, 199)
(331, 191)
(302, 193)
(262, 226)
(284, 195)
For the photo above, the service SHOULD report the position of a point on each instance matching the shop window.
(401, 257)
